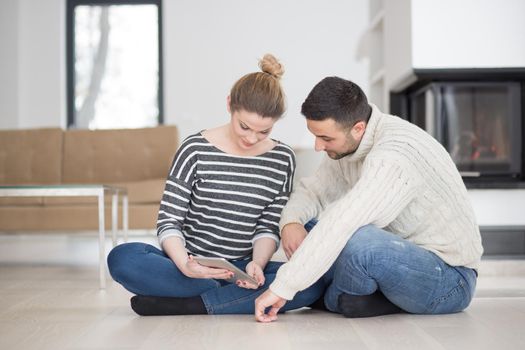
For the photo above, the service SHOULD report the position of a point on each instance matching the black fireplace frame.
(400, 105)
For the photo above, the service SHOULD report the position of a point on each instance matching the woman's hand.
(254, 270)
(174, 248)
(193, 269)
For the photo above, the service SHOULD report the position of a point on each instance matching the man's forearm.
(312, 194)
(302, 206)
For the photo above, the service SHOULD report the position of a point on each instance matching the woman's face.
(249, 128)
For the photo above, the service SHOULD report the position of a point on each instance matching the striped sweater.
(400, 179)
(219, 204)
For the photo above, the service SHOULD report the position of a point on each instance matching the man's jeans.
(143, 269)
(413, 278)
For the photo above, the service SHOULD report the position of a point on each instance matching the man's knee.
(364, 238)
(368, 243)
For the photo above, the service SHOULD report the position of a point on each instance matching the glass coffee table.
(98, 191)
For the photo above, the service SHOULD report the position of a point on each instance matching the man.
(396, 230)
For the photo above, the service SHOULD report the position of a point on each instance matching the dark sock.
(162, 306)
(376, 304)
(318, 304)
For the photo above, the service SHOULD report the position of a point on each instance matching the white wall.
(468, 33)
(32, 69)
(398, 42)
(8, 64)
(451, 34)
(499, 207)
(41, 63)
(208, 45)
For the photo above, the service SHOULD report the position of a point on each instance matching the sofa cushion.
(21, 201)
(73, 217)
(117, 156)
(147, 191)
(31, 156)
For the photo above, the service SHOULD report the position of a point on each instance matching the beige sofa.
(137, 159)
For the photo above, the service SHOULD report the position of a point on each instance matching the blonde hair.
(260, 92)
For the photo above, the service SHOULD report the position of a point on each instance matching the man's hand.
(292, 236)
(265, 300)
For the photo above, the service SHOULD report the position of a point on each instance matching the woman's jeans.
(145, 270)
(411, 277)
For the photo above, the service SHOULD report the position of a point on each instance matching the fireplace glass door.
(478, 123)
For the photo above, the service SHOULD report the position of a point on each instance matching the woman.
(223, 198)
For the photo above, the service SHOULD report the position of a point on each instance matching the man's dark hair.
(339, 99)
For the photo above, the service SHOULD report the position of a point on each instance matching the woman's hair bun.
(269, 64)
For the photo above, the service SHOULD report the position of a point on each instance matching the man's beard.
(353, 145)
(337, 156)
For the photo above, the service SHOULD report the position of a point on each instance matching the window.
(114, 64)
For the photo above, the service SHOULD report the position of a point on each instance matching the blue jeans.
(145, 270)
(411, 277)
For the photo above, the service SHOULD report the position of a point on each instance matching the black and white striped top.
(219, 204)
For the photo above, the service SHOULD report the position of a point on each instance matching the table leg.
(101, 241)
(114, 217)
(125, 216)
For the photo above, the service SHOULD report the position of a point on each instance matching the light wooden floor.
(49, 299)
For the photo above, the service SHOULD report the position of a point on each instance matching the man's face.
(334, 139)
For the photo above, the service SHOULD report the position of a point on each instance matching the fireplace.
(478, 121)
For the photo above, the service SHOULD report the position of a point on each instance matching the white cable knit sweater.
(401, 179)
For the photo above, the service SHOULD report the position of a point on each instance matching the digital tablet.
(222, 263)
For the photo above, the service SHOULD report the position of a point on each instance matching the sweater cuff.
(281, 226)
(292, 214)
(290, 219)
(170, 233)
(282, 289)
(271, 235)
